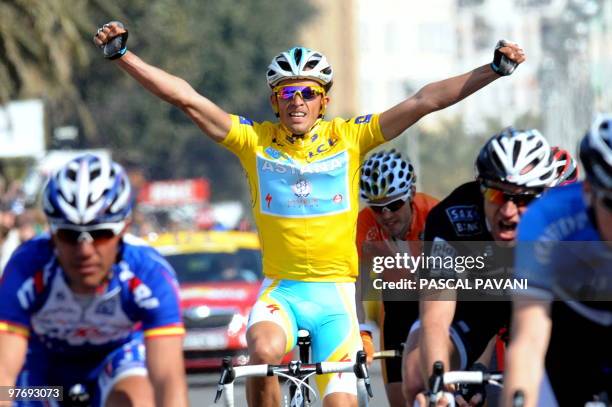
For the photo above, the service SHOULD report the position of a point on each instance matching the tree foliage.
(222, 48)
(448, 154)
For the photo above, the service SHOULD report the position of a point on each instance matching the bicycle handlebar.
(294, 368)
(385, 354)
(439, 379)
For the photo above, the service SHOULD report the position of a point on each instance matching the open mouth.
(507, 226)
(297, 114)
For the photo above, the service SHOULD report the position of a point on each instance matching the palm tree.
(42, 43)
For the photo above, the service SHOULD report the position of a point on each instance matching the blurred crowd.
(21, 220)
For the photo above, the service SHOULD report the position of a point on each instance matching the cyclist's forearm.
(523, 372)
(435, 346)
(171, 394)
(525, 356)
(444, 93)
(170, 88)
(209, 117)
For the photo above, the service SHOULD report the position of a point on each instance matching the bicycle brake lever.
(227, 376)
(361, 371)
(436, 382)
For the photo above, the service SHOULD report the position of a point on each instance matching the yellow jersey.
(304, 193)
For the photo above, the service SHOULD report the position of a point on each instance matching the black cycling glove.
(502, 65)
(467, 391)
(117, 46)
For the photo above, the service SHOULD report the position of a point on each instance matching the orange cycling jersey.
(368, 230)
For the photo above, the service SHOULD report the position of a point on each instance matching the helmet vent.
(298, 56)
(96, 173)
(71, 174)
(310, 65)
(284, 65)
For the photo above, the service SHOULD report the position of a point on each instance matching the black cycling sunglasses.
(392, 206)
(74, 237)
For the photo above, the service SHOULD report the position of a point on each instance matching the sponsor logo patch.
(465, 219)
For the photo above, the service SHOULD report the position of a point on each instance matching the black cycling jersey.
(579, 356)
(399, 317)
(459, 219)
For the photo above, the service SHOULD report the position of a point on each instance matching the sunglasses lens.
(68, 236)
(391, 206)
(73, 237)
(102, 235)
(308, 94)
(495, 196)
(395, 205)
(523, 200)
(288, 92)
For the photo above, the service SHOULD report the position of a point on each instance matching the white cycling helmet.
(300, 63)
(566, 167)
(596, 152)
(386, 174)
(518, 157)
(89, 190)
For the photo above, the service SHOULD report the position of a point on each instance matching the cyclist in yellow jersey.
(304, 178)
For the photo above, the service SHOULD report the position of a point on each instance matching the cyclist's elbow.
(182, 96)
(426, 101)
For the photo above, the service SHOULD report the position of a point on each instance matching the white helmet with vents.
(300, 63)
(89, 190)
(518, 157)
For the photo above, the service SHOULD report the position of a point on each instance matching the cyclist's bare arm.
(209, 117)
(166, 370)
(439, 95)
(13, 349)
(531, 327)
(434, 340)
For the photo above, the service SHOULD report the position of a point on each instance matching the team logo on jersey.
(302, 188)
(363, 119)
(244, 120)
(465, 219)
(372, 234)
(299, 189)
(106, 307)
(272, 308)
(273, 153)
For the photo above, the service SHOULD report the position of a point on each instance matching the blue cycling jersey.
(141, 296)
(561, 254)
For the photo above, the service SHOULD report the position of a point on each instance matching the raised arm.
(167, 370)
(209, 117)
(439, 95)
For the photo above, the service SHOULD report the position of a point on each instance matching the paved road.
(202, 388)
